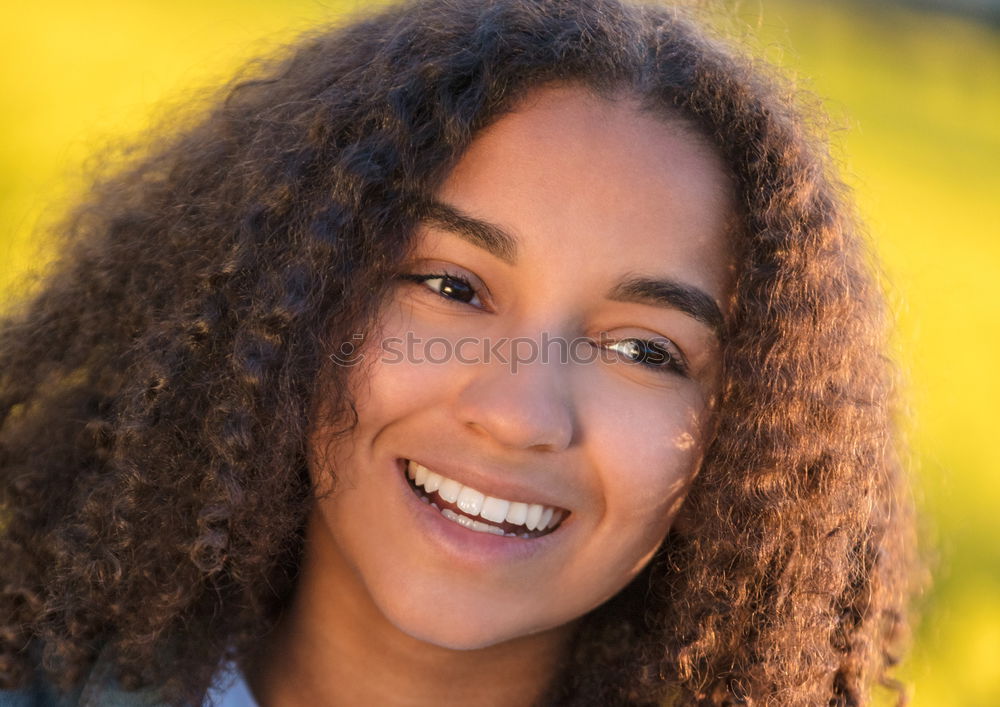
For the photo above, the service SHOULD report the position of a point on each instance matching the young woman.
(501, 352)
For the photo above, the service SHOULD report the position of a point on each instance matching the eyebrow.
(480, 233)
(664, 292)
(654, 291)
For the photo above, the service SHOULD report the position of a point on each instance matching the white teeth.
(457, 517)
(472, 502)
(421, 475)
(449, 490)
(467, 522)
(517, 513)
(433, 482)
(486, 528)
(534, 515)
(495, 509)
(546, 517)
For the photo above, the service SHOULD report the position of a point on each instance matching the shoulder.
(44, 695)
(38, 694)
(98, 690)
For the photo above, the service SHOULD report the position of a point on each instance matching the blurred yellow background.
(915, 96)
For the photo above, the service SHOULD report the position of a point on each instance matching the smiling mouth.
(478, 512)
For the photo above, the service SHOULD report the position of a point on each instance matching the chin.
(453, 640)
(457, 635)
(459, 628)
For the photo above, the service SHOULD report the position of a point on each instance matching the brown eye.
(657, 354)
(450, 287)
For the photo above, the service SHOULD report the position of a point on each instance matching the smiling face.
(576, 220)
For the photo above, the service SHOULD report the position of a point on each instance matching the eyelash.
(668, 359)
(422, 278)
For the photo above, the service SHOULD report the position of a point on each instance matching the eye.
(451, 287)
(660, 354)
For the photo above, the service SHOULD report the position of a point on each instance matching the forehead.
(600, 183)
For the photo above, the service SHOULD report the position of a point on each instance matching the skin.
(396, 606)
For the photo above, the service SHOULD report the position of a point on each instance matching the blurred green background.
(914, 95)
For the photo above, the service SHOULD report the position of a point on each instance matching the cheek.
(393, 381)
(646, 454)
(407, 364)
(650, 451)
(661, 468)
(400, 373)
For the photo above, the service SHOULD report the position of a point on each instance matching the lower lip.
(462, 544)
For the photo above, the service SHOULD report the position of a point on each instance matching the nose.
(527, 407)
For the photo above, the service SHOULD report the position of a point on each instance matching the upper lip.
(492, 483)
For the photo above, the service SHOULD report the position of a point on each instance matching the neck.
(334, 647)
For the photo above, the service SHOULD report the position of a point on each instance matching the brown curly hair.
(155, 393)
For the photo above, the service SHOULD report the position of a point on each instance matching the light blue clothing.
(99, 691)
(234, 691)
